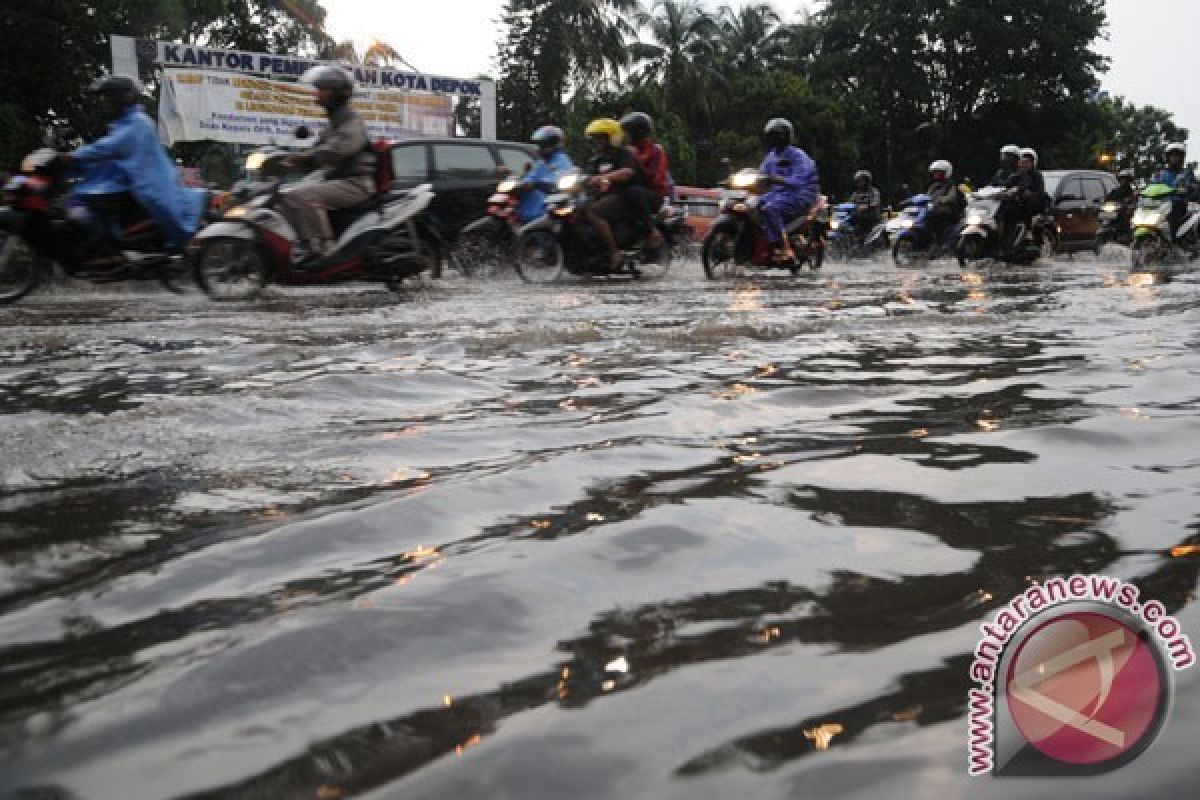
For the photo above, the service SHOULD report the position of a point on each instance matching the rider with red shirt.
(645, 201)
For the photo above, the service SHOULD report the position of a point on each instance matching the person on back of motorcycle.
(946, 201)
(127, 173)
(551, 163)
(794, 183)
(868, 203)
(1176, 175)
(612, 171)
(1125, 192)
(1010, 154)
(343, 149)
(652, 158)
(1025, 196)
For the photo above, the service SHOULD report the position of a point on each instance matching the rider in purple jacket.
(794, 183)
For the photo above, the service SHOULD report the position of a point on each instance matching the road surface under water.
(590, 541)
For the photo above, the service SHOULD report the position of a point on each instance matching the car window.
(464, 162)
(1093, 190)
(515, 159)
(408, 163)
(1052, 184)
(1071, 187)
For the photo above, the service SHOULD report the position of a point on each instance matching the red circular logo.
(1084, 688)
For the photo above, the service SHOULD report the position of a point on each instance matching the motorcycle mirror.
(302, 132)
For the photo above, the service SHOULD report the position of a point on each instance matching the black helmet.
(1125, 173)
(324, 76)
(547, 137)
(865, 175)
(120, 89)
(779, 132)
(637, 126)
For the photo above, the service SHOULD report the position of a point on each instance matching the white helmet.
(1010, 150)
(1029, 152)
(1177, 147)
(942, 165)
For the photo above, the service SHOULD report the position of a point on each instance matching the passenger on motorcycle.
(613, 170)
(1180, 178)
(794, 183)
(1026, 195)
(127, 173)
(1125, 191)
(868, 203)
(946, 201)
(344, 149)
(551, 163)
(1010, 154)
(648, 198)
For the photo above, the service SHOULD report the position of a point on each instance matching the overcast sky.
(1151, 43)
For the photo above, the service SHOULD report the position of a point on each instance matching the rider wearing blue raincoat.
(130, 161)
(795, 185)
(552, 163)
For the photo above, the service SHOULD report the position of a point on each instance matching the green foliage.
(1136, 137)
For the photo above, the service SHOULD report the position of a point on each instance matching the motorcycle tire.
(230, 269)
(539, 257)
(970, 248)
(1147, 252)
(174, 275)
(479, 254)
(21, 270)
(717, 256)
(905, 253)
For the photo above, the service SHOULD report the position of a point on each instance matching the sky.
(1151, 43)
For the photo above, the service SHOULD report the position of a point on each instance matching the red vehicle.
(701, 206)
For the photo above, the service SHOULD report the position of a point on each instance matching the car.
(463, 173)
(1076, 196)
(701, 207)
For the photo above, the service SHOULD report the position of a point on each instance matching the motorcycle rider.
(344, 149)
(946, 201)
(1025, 196)
(794, 182)
(868, 204)
(1010, 154)
(127, 172)
(1125, 191)
(551, 163)
(612, 171)
(652, 158)
(1179, 178)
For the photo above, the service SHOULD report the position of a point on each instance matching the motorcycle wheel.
(1049, 245)
(21, 269)
(816, 254)
(905, 254)
(229, 269)
(717, 256)
(1147, 251)
(174, 274)
(970, 248)
(539, 257)
(479, 255)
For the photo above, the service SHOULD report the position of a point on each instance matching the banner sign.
(228, 107)
(169, 55)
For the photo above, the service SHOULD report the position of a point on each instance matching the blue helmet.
(547, 137)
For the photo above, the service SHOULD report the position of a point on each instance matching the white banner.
(225, 107)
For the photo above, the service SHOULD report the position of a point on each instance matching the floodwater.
(596, 540)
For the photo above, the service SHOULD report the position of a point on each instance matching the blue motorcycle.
(915, 243)
(846, 241)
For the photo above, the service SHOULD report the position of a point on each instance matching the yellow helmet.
(605, 126)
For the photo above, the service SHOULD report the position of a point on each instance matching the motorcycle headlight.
(506, 187)
(907, 223)
(237, 212)
(1146, 217)
(567, 182)
(1111, 208)
(975, 219)
(254, 161)
(834, 224)
(744, 180)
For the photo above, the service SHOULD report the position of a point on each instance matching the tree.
(752, 37)
(1137, 137)
(679, 55)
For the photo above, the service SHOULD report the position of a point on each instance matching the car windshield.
(1052, 182)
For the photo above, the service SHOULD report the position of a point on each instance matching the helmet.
(119, 88)
(862, 173)
(324, 76)
(547, 137)
(779, 129)
(1010, 150)
(942, 165)
(637, 126)
(1029, 152)
(1125, 173)
(1176, 147)
(605, 126)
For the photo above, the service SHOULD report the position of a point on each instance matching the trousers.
(777, 210)
(307, 207)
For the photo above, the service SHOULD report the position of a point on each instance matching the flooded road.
(587, 541)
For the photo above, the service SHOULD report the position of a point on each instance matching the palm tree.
(751, 37)
(587, 37)
(678, 54)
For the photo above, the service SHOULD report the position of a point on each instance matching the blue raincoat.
(542, 178)
(129, 158)
(797, 194)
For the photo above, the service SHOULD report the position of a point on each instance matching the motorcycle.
(1115, 223)
(386, 238)
(915, 243)
(41, 224)
(563, 241)
(981, 237)
(737, 239)
(485, 246)
(846, 242)
(1153, 243)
